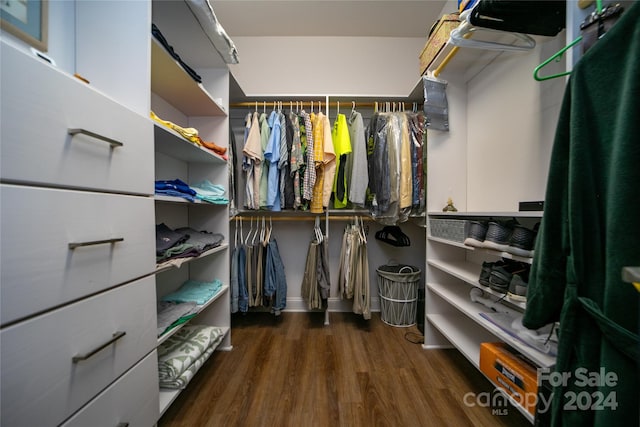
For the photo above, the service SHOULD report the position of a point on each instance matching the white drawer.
(130, 401)
(40, 270)
(40, 104)
(42, 385)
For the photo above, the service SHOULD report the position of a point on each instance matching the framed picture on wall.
(27, 20)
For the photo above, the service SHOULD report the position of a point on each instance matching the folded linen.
(185, 377)
(192, 290)
(180, 350)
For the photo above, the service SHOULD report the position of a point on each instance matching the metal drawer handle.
(123, 425)
(95, 242)
(112, 142)
(116, 336)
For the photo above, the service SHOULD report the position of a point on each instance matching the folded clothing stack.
(194, 291)
(183, 242)
(182, 354)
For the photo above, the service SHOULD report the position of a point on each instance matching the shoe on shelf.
(477, 232)
(485, 273)
(518, 287)
(497, 237)
(522, 241)
(500, 277)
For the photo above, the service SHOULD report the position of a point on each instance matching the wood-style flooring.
(295, 371)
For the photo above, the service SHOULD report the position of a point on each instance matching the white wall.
(511, 122)
(61, 36)
(382, 66)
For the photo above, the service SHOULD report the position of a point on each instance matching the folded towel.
(186, 376)
(180, 350)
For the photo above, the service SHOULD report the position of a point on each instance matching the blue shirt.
(272, 155)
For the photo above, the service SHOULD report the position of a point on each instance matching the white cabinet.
(176, 97)
(77, 239)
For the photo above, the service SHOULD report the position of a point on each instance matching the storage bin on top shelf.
(450, 229)
(438, 38)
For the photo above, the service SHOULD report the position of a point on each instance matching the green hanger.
(561, 52)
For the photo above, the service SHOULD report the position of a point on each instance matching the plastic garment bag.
(436, 107)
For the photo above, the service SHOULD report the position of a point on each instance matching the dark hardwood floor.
(294, 371)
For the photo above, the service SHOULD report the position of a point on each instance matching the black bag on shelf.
(543, 18)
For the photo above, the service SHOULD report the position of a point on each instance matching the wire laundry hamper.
(398, 291)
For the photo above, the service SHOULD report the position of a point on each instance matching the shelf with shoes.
(454, 273)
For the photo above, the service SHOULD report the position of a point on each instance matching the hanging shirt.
(356, 168)
(272, 155)
(328, 159)
(296, 161)
(265, 131)
(253, 151)
(318, 164)
(288, 191)
(342, 147)
(310, 171)
(284, 156)
(405, 163)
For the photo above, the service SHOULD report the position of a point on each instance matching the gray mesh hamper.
(398, 291)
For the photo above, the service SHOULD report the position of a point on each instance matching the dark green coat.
(591, 230)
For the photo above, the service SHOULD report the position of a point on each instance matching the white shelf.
(171, 143)
(466, 337)
(202, 307)
(463, 60)
(222, 247)
(167, 396)
(470, 273)
(517, 214)
(176, 199)
(176, 86)
(507, 255)
(459, 299)
(462, 333)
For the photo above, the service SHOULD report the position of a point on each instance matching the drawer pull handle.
(123, 425)
(112, 142)
(116, 336)
(95, 242)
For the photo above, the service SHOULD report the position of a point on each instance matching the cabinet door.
(41, 270)
(58, 131)
(48, 369)
(131, 401)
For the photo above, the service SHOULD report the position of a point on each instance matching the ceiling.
(348, 18)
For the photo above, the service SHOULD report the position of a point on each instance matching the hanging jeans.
(243, 296)
(275, 281)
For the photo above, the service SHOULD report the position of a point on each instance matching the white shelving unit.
(469, 165)
(176, 97)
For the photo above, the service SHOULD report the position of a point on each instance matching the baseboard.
(297, 304)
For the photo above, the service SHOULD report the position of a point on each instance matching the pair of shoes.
(522, 241)
(518, 287)
(501, 276)
(485, 273)
(498, 236)
(476, 234)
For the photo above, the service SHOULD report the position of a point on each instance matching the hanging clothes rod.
(302, 218)
(342, 104)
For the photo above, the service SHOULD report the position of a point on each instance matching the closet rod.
(301, 218)
(343, 104)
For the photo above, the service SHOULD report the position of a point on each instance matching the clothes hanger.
(461, 36)
(246, 240)
(598, 13)
(393, 235)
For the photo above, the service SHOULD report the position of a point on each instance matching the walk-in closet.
(355, 213)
